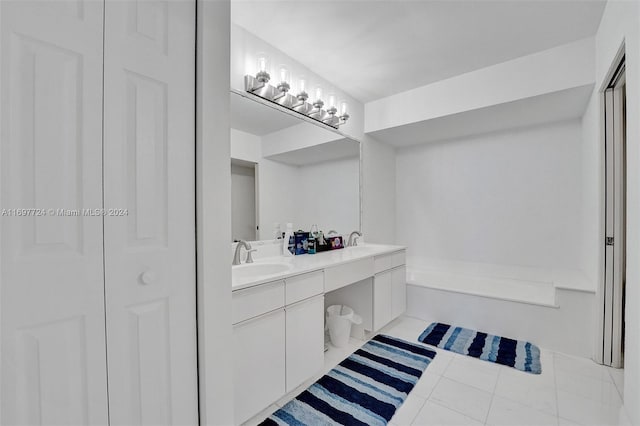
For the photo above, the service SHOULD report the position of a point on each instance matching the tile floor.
(459, 390)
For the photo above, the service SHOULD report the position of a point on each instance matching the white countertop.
(312, 262)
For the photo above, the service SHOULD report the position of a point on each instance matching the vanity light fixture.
(283, 86)
(300, 104)
(331, 118)
(299, 100)
(260, 83)
(317, 112)
(344, 116)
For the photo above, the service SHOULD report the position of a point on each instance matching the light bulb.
(302, 85)
(284, 74)
(318, 93)
(262, 75)
(343, 108)
(332, 100)
(262, 62)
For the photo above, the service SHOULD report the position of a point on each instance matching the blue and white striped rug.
(518, 354)
(365, 389)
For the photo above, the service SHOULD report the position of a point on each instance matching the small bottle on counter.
(288, 242)
(312, 241)
(311, 244)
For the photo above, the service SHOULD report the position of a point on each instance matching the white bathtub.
(527, 306)
(510, 289)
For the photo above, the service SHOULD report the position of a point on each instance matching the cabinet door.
(53, 368)
(398, 291)
(259, 363)
(381, 300)
(150, 285)
(305, 340)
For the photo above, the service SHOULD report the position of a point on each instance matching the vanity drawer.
(388, 261)
(254, 301)
(348, 273)
(398, 258)
(382, 262)
(303, 286)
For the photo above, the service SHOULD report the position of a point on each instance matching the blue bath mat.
(518, 354)
(365, 389)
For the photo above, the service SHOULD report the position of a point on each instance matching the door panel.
(259, 363)
(51, 275)
(381, 299)
(398, 291)
(149, 171)
(304, 341)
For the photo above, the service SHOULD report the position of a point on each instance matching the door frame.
(610, 330)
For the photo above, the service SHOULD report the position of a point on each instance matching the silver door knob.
(147, 277)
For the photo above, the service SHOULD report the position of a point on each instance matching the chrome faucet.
(353, 239)
(236, 255)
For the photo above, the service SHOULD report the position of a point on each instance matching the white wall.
(378, 191)
(243, 203)
(277, 188)
(563, 67)
(213, 217)
(245, 146)
(620, 24)
(328, 195)
(509, 198)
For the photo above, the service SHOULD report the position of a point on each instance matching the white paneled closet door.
(53, 366)
(149, 170)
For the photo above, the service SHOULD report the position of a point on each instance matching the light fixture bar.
(259, 86)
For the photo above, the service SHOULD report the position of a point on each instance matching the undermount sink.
(256, 270)
(359, 249)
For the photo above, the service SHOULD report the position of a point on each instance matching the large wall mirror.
(285, 168)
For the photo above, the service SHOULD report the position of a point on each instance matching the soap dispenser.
(288, 242)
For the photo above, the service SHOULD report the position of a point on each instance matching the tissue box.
(335, 242)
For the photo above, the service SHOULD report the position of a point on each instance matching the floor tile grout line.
(413, 419)
(493, 396)
(454, 410)
(467, 384)
(615, 384)
(451, 408)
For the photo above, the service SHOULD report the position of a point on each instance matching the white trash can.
(339, 320)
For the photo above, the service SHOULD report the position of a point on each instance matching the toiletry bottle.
(311, 242)
(277, 233)
(288, 242)
(311, 245)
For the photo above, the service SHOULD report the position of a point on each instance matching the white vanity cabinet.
(398, 291)
(381, 300)
(389, 288)
(305, 327)
(259, 363)
(279, 325)
(278, 338)
(304, 340)
(259, 347)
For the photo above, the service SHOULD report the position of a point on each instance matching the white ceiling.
(372, 49)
